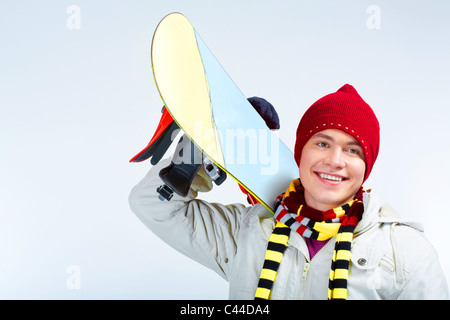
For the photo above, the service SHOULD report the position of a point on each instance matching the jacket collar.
(375, 213)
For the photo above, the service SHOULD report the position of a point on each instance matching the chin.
(330, 200)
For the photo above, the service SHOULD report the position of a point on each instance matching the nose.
(335, 158)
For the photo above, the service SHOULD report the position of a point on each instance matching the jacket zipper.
(306, 267)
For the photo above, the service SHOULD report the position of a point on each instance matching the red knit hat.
(347, 111)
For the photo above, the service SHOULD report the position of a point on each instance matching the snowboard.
(200, 98)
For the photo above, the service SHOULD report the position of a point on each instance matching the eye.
(322, 144)
(354, 151)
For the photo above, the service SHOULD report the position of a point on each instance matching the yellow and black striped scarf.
(292, 213)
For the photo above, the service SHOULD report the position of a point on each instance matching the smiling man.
(329, 237)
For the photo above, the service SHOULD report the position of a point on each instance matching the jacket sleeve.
(205, 232)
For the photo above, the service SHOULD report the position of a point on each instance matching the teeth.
(328, 177)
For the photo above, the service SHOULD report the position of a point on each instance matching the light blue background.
(76, 105)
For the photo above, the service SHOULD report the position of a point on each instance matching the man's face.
(331, 169)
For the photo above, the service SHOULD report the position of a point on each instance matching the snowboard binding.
(186, 160)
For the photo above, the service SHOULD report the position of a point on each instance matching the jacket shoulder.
(258, 219)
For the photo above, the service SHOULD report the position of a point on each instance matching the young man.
(329, 238)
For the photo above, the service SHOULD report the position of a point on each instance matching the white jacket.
(390, 259)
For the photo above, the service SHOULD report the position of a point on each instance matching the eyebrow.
(327, 137)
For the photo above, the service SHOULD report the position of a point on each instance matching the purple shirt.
(314, 246)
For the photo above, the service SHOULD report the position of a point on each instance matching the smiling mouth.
(330, 177)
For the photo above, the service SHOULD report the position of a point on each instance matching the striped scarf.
(292, 214)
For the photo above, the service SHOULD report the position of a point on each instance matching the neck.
(324, 205)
